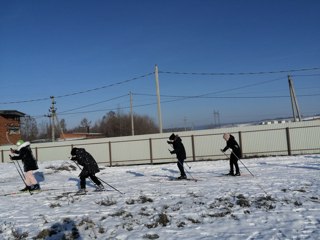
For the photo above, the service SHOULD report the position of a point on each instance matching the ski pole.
(187, 171)
(20, 168)
(242, 163)
(187, 165)
(99, 179)
(247, 169)
(81, 170)
(21, 175)
(185, 162)
(238, 159)
(110, 185)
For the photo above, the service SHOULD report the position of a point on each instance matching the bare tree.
(44, 130)
(83, 127)
(119, 124)
(29, 129)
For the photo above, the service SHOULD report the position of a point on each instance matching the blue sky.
(91, 54)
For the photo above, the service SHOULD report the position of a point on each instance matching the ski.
(185, 179)
(170, 178)
(77, 193)
(87, 193)
(228, 175)
(27, 192)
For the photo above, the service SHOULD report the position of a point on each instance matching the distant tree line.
(112, 124)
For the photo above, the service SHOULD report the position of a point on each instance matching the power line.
(179, 99)
(166, 72)
(92, 104)
(305, 75)
(231, 89)
(80, 92)
(26, 101)
(106, 86)
(241, 73)
(235, 97)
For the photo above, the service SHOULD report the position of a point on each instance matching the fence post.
(2, 159)
(110, 155)
(240, 142)
(288, 141)
(193, 148)
(150, 147)
(37, 153)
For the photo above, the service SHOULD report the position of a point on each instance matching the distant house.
(10, 126)
(73, 136)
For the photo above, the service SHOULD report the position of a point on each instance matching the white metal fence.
(260, 140)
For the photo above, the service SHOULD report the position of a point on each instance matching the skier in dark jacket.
(180, 151)
(90, 168)
(235, 154)
(24, 153)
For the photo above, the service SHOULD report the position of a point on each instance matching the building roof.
(12, 113)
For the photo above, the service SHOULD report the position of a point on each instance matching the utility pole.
(131, 113)
(156, 73)
(294, 102)
(216, 117)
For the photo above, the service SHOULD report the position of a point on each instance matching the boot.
(35, 187)
(230, 174)
(99, 188)
(182, 177)
(27, 188)
(81, 191)
(237, 174)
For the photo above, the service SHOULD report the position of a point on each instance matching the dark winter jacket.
(178, 148)
(232, 143)
(85, 159)
(24, 153)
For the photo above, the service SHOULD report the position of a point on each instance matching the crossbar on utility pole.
(52, 115)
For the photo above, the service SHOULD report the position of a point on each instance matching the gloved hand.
(221, 150)
(169, 142)
(10, 157)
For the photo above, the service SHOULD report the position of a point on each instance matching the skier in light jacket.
(24, 153)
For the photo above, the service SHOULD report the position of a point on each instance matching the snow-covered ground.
(281, 201)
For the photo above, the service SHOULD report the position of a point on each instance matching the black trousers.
(93, 178)
(234, 162)
(180, 166)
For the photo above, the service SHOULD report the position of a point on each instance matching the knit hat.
(74, 151)
(172, 137)
(19, 143)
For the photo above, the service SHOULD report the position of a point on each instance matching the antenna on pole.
(52, 115)
(158, 98)
(294, 102)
